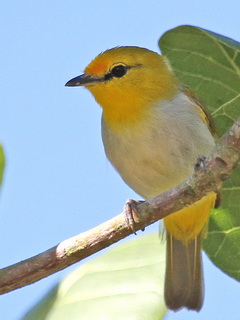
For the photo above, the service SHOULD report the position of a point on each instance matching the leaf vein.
(220, 46)
(231, 188)
(232, 70)
(219, 248)
(207, 79)
(225, 104)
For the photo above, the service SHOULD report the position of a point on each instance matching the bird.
(153, 131)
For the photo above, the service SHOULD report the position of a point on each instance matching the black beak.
(83, 80)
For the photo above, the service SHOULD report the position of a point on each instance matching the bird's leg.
(131, 213)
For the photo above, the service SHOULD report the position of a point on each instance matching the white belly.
(161, 151)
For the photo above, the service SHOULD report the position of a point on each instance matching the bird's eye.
(119, 71)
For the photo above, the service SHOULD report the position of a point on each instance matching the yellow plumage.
(130, 105)
(188, 223)
(153, 131)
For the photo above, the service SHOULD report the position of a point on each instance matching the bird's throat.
(127, 107)
(120, 109)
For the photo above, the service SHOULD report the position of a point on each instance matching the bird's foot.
(200, 164)
(131, 213)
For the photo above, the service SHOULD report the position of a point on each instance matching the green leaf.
(42, 309)
(210, 65)
(125, 283)
(222, 244)
(2, 164)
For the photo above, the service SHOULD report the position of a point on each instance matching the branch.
(207, 177)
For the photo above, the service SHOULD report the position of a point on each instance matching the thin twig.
(207, 177)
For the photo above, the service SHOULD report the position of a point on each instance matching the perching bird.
(153, 131)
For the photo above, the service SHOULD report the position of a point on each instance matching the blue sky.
(58, 182)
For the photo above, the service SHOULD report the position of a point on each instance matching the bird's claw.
(200, 164)
(131, 213)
